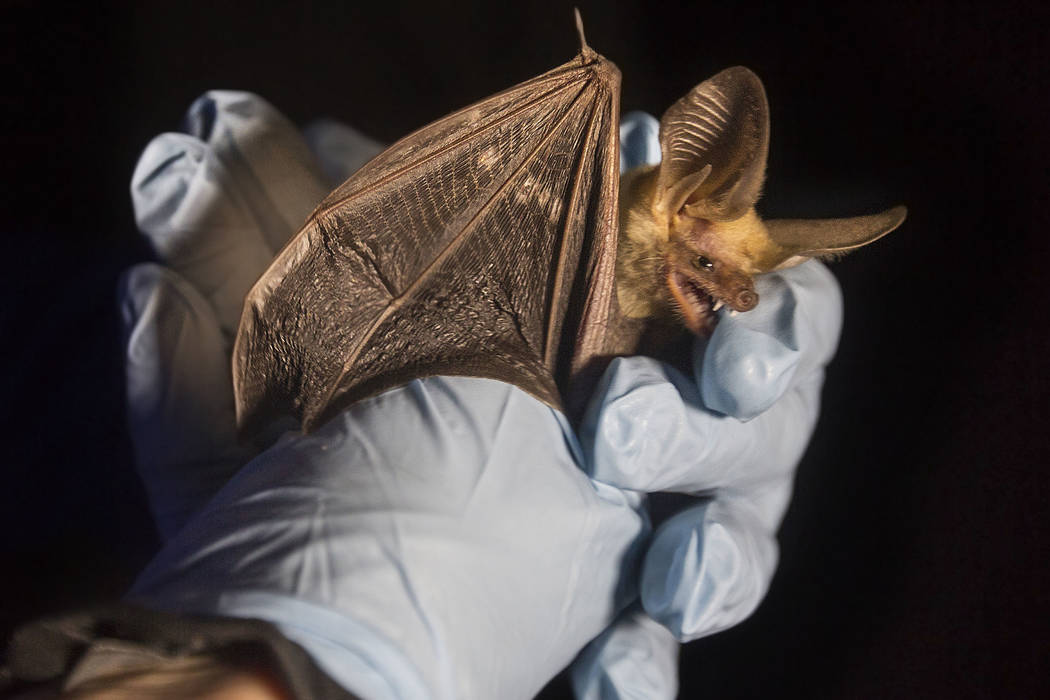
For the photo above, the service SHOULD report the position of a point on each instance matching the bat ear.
(714, 143)
(801, 239)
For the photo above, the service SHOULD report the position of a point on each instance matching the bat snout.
(737, 289)
(744, 300)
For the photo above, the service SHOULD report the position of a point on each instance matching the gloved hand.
(474, 559)
(733, 433)
(439, 540)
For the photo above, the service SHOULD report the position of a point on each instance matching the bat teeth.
(718, 305)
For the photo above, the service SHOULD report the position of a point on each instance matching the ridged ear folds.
(714, 143)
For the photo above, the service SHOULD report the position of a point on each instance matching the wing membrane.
(456, 251)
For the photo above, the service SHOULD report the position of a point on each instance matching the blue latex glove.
(473, 560)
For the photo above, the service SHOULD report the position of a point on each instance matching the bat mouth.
(696, 305)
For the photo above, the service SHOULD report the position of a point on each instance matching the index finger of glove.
(179, 393)
(266, 156)
(186, 205)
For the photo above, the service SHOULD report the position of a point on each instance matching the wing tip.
(585, 48)
(604, 68)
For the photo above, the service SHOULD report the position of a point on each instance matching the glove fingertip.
(745, 372)
(706, 570)
(639, 140)
(167, 164)
(635, 657)
(267, 161)
(200, 118)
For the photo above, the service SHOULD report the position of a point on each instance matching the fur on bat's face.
(684, 268)
(709, 264)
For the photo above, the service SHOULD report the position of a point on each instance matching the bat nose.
(745, 300)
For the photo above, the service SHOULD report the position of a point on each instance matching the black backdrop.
(914, 553)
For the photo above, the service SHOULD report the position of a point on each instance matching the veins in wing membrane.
(446, 253)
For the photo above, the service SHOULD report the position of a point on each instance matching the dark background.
(914, 555)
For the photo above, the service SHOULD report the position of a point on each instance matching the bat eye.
(703, 263)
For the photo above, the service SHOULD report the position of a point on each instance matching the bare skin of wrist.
(235, 685)
(249, 685)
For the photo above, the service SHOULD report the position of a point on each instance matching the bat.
(690, 240)
(485, 244)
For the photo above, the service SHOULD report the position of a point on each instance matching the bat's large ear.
(798, 240)
(714, 143)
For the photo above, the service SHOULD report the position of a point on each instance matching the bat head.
(711, 242)
(707, 265)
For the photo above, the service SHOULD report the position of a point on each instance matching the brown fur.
(655, 248)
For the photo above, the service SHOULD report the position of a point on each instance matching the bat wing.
(481, 245)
